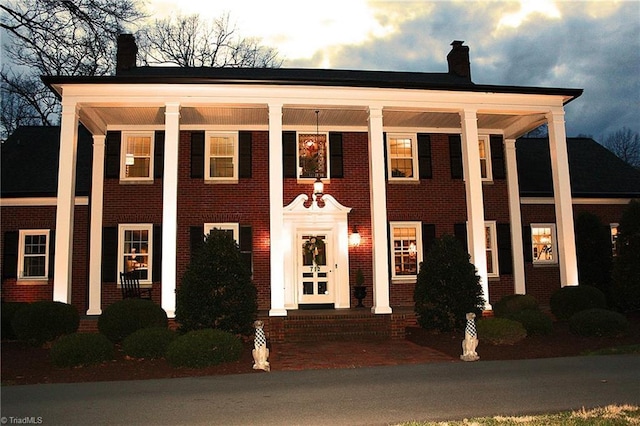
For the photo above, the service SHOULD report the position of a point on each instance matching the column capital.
(468, 114)
(509, 143)
(555, 115)
(375, 111)
(172, 108)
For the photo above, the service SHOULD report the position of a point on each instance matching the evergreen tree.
(593, 250)
(626, 271)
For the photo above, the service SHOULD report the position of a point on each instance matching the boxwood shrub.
(149, 342)
(203, 348)
(81, 349)
(534, 321)
(122, 318)
(44, 321)
(8, 311)
(514, 303)
(569, 300)
(500, 331)
(598, 322)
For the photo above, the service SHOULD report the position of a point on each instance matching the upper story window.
(491, 245)
(137, 156)
(485, 157)
(232, 229)
(135, 242)
(313, 155)
(221, 156)
(402, 157)
(406, 250)
(33, 252)
(543, 243)
(614, 238)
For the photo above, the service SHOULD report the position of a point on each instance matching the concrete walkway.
(360, 396)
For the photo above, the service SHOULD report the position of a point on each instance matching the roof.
(30, 158)
(595, 171)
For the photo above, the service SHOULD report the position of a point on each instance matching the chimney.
(458, 60)
(127, 51)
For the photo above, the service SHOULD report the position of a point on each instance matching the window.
(221, 156)
(543, 243)
(135, 242)
(232, 228)
(406, 250)
(313, 155)
(137, 156)
(485, 157)
(491, 244)
(402, 157)
(33, 262)
(614, 238)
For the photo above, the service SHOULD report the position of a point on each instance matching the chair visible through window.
(130, 286)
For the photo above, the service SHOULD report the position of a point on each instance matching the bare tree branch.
(625, 143)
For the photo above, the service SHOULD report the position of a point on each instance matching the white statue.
(470, 342)
(260, 351)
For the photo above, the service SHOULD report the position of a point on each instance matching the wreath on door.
(312, 248)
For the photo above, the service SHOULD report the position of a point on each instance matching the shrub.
(500, 331)
(202, 348)
(598, 322)
(216, 290)
(44, 321)
(8, 311)
(572, 299)
(81, 349)
(447, 287)
(126, 316)
(626, 269)
(534, 321)
(514, 303)
(148, 342)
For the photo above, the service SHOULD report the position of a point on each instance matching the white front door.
(315, 260)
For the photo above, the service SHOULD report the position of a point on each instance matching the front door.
(314, 269)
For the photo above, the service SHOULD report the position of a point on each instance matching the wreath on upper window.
(312, 248)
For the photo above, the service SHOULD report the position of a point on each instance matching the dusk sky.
(592, 45)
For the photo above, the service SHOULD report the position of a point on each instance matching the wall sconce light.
(318, 189)
(354, 238)
(129, 160)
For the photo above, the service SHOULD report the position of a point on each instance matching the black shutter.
(526, 243)
(386, 161)
(156, 273)
(335, 150)
(10, 255)
(109, 254)
(52, 251)
(112, 155)
(391, 244)
(424, 156)
(455, 156)
(505, 259)
(158, 155)
(428, 237)
(460, 232)
(244, 149)
(246, 246)
(196, 239)
(289, 155)
(497, 157)
(197, 155)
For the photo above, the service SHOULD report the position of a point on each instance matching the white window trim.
(491, 224)
(225, 226)
(136, 227)
(207, 156)
(554, 245)
(123, 156)
(487, 149)
(21, 255)
(305, 180)
(419, 254)
(414, 157)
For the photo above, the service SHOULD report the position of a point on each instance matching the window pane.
(34, 266)
(401, 157)
(221, 167)
(405, 251)
(312, 155)
(35, 244)
(136, 252)
(541, 239)
(138, 151)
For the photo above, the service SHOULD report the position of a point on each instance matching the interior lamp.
(129, 160)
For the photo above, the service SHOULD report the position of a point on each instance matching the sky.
(590, 45)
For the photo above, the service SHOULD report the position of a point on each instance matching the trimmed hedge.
(500, 331)
(8, 311)
(534, 321)
(124, 317)
(203, 348)
(81, 349)
(44, 321)
(514, 303)
(567, 301)
(148, 342)
(598, 322)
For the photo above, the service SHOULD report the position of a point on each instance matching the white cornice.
(598, 201)
(38, 201)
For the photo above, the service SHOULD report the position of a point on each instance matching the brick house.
(316, 173)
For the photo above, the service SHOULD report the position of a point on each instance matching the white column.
(65, 203)
(95, 230)
(475, 201)
(515, 217)
(562, 199)
(378, 194)
(276, 225)
(170, 207)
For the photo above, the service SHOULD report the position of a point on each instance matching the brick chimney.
(458, 60)
(127, 51)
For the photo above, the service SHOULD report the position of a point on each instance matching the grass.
(612, 415)
(618, 350)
